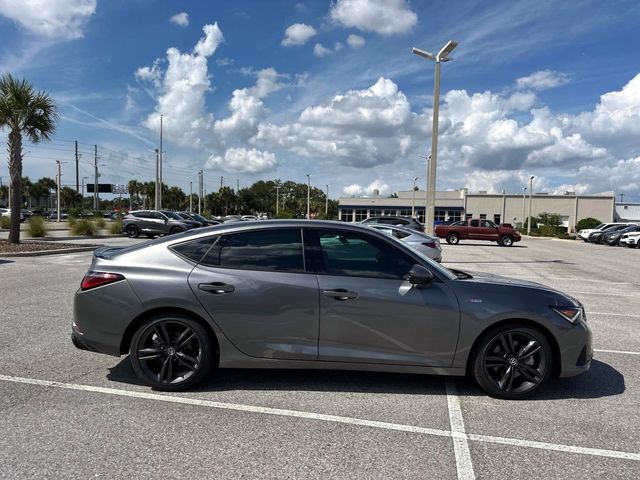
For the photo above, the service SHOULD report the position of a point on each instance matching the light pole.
(530, 196)
(524, 194)
(200, 192)
(58, 190)
(308, 196)
(157, 199)
(277, 199)
(326, 204)
(413, 202)
(190, 197)
(83, 179)
(441, 56)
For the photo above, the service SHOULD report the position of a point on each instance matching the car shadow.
(2, 261)
(601, 380)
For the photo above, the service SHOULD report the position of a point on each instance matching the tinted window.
(360, 255)
(458, 224)
(277, 250)
(488, 224)
(195, 249)
(474, 223)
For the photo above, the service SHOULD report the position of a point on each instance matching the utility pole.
(190, 197)
(160, 194)
(157, 196)
(530, 195)
(96, 197)
(308, 196)
(221, 181)
(77, 171)
(326, 204)
(58, 196)
(200, 192)
(237, 186)
(277, 198)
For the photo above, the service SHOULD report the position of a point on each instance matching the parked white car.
(425, 244)
(631, 240)
(584, 234)
(6, 212)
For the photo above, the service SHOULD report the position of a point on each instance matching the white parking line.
(614, 314)
(329, 418)
(636, 295)
(616, 351)
(464, 466)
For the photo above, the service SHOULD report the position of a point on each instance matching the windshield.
(173, 215)
(200, 218)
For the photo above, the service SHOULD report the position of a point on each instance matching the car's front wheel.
(171, 352)
(506, 241)
(512, 362)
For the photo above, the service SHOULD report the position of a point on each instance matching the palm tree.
(24, 112)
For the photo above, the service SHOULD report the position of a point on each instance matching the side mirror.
(419, 275)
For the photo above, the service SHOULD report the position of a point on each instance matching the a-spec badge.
(474, 300)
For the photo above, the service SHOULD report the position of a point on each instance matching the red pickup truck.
(474, 229)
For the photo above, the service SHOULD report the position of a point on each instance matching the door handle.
(217, 288)
(340, 294)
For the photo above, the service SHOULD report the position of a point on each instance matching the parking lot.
(66, 413)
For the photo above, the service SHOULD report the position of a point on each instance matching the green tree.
(69, 197)
(24, 112)
(39, 191)
(586, 223)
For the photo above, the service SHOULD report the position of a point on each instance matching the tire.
(149, 235)
(506, 241)
(132, 231)
(518, 371)
(171, 352)
(453, 239)
(175, 230)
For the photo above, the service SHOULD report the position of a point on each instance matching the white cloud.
(355, 41)
(338, 46)
(182, 91)
(386, 17)
(542, 80)
(242, 160)
(297, 34)
(320, 51)
(59, 19)
(357, 190)
(181, 19)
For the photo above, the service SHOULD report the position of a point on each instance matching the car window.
(359, 255)
(370, 220)
(488, 224)
(474, 223)
(458, 224)
(399, 233)
(195, 249)
(273, 250)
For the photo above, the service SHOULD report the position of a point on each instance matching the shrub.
(72, 221)
(36, 227)
(588, 222)
(115, 227)
(75, 213)
(100, 222)
(5, 222)
(84, 227)
(549, 219)
(548, 231)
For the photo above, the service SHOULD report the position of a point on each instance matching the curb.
(58, 251)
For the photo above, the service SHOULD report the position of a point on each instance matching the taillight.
(429, 244)
(98, 279)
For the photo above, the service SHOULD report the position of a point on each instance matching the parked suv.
(407, 222)
(151, 223)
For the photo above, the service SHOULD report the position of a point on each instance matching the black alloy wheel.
(171, 353)
(175, 230)
(132, 231)
(513, 362)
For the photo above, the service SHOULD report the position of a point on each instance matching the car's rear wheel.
(132, 231)
(506, 241)
(171, 352)
(453, 239)
(175, 230)
(512, 362)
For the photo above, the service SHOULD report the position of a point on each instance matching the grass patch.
(100, 222)
(84, 227)
(116, 227)
(5, 222)
(37, 227)
(72, 221)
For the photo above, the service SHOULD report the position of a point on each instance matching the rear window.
(195, 249)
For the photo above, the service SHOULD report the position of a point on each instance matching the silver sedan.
(425, 244)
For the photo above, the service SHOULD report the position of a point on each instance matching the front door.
(370, 314)
(254, 286)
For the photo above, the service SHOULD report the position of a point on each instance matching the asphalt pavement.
(66, 413)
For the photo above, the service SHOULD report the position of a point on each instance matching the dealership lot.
(67, 413)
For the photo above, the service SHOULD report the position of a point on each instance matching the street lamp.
(326, 204)
(530, 195)
(441, 56)
(59, 182)
(413, 202)
(524, 193)
(308, 196)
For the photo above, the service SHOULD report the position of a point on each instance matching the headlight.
(570, 314)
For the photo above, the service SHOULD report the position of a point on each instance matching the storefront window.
(347, 215)
(361, 215)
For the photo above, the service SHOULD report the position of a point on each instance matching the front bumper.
(576, 350)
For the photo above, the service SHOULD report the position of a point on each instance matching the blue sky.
(255, 90)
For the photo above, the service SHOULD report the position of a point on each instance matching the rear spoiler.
(106, 252)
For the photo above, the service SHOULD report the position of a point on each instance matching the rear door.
(254, 285)
(369, 313)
